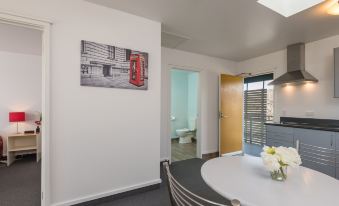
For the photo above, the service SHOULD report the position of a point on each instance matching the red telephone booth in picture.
(137, 70)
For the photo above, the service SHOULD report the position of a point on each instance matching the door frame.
(167, 109)
(45, 27)
(242, 117)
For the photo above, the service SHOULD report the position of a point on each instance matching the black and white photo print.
(113, 67)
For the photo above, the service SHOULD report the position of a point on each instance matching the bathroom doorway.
(184, 114)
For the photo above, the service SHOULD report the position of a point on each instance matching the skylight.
(289, 7)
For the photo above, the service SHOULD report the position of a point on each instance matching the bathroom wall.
(192, 96)
(179, 100)
(184, 94)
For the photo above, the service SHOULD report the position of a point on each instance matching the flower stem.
(283, 173)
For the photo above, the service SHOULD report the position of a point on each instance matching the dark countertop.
(331, 128)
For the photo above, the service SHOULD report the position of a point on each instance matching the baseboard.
(209, 151)
(125, 191)
(210, 155)
(233, 153)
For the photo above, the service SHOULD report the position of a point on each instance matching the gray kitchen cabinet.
(336, 72)
(337, 155)
(317, 149)
(279, 136)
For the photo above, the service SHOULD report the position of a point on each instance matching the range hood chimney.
(296, 72)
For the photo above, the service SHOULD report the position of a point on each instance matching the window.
(111, 52)
(128, 54)
(258, 108)
(83, 47)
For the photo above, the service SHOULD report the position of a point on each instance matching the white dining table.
(246, 179)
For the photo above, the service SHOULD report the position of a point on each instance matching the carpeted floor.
(20, 186)
(20, 183)
(187, 172)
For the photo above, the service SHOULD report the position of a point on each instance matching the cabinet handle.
(297, 143)
(331, 142)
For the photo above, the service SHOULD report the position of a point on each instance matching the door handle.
(297, 145)
(221, 115)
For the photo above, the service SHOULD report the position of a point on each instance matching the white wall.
(18, 39)
(209, 68)
(103, 141)
(20, 90)
(296, 101)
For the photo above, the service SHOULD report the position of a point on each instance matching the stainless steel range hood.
(296, 72)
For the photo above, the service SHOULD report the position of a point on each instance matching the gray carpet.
(20, 186)
(20, 183)
(187, 172)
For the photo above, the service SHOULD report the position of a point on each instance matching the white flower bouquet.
(276, 160)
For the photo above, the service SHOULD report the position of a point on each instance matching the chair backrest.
(180, 196)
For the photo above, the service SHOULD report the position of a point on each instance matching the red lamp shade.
(17, 117)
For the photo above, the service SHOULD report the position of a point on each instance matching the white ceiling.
(20, 39)
(229, 29)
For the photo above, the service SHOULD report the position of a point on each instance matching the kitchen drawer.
(279, 129)
(326, 169)
(320, 139)
(280, 137)
(276, 143)
(324, 157)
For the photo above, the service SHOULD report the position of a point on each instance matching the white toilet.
(186, 134)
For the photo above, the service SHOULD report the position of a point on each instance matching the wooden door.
(231, 113)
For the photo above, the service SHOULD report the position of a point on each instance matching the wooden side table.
(20, 144)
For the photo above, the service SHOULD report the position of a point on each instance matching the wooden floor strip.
(183, 151)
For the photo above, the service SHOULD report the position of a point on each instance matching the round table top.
(246, 179)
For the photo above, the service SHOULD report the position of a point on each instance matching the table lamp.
(17, 117)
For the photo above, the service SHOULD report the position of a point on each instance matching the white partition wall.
(103, 141)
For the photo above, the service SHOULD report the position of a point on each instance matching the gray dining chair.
(180, 196)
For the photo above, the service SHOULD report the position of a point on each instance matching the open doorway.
(24, 67)
(184, 114)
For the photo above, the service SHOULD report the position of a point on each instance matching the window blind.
(255, 116)
(256, 108)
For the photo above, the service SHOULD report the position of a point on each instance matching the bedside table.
(20, 144)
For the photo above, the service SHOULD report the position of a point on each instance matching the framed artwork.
(113, 67)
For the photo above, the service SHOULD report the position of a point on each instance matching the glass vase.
(280, 175)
